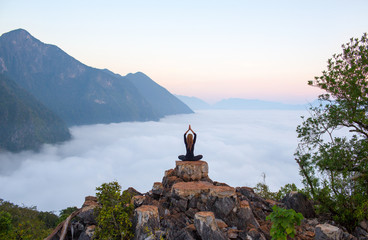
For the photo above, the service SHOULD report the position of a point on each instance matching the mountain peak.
(137, 75)
(18, 34)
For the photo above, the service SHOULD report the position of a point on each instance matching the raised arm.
(190, 128)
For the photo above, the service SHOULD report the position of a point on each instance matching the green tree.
(114, 215)
(64, 214)
(25, 222)
(333, 150)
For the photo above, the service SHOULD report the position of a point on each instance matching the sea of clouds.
(239, 147)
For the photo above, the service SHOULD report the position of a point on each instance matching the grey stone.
(146, 221)
(157, 189)
(360, 233)
(328, 232)
(245, 216)
(206, 226)
(88, 217)
(300, 203)
(88, 233)
(223, 206)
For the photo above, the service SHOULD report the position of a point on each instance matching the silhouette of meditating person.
(189, 145)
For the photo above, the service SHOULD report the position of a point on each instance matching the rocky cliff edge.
(188, 205)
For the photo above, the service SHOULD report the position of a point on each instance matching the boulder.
(146, 221)
(300, 203)
(222, 191)
(328, 232)
(88, 216)
(191, 170)
(157, 189)
(86, 213)
(245, 216)
(364, 225)
(254, 234)
(361, 232)
(177, 226)
(206, 226)
(224, 206)
(221, 224)
(90, 201)
(138, 200)
(133, 192)
(88, 233)
(189, 190)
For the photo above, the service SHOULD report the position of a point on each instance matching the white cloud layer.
(238, 145)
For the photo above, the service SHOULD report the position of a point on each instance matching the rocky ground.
(188, 205)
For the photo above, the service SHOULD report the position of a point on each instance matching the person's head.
(190, 141)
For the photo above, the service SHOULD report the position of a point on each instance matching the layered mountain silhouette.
(254, 104)
(25, 122)
(77, 93)
(242, 104)
(161, 100)
(194, 102)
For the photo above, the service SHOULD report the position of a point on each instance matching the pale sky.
(208, 49)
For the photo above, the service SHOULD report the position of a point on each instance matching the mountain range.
(77, 93)
(241, 104)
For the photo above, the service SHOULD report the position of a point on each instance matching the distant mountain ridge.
(161, 100)
(77, 93)
(194, 103)
(240, 104)
(255, 104)
(25, 122)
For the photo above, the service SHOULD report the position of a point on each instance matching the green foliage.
(64, 214)
(5, 224)
(333, 150)
(283, 222)
(264, 191)
(24, 222)
(114, 215)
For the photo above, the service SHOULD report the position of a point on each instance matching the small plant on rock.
(283, 222)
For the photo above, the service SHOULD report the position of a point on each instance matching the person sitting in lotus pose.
(189, 145)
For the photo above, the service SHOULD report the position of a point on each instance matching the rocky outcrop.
(188, 205)
(192, 206)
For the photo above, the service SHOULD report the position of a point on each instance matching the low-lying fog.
(238, 145)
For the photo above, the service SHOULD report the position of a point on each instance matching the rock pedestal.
(191, 170)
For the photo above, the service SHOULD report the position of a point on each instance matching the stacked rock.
(189, 205)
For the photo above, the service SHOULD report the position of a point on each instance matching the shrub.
(283, 222)
(114, 215)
